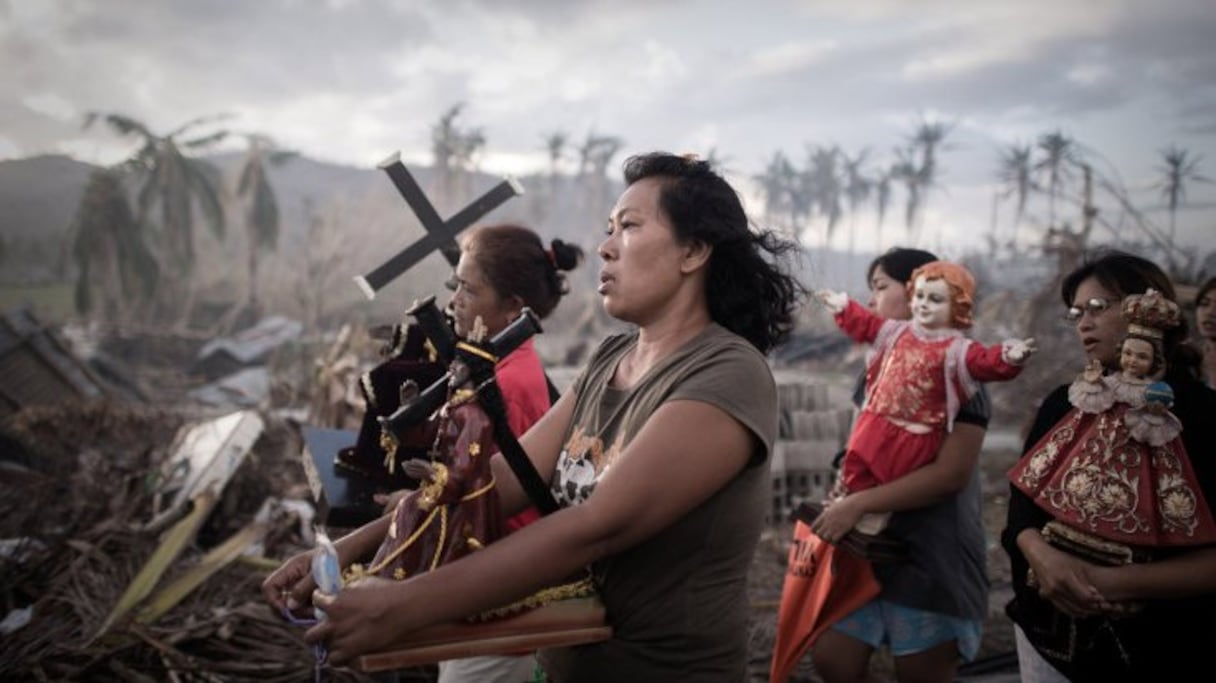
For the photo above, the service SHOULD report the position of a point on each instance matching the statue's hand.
(419, 469)
(834, 301)
(389, 501)
(408, 391)
(1018, 351)
(1093, 371)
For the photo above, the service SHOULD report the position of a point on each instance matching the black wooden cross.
(440, 235)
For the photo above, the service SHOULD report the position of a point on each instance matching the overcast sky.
(351, 81)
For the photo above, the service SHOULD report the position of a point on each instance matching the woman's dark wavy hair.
(1124, 274)
(748, 286)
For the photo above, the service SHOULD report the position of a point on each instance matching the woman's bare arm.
(1181, 576)
(666, 471)
(543, 443)
(945, 476)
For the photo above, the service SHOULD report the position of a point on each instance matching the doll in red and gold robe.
(1113, 472)
(918, 373)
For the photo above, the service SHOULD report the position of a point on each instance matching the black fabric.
(1169, 636)
(406, 359)
(490, 397)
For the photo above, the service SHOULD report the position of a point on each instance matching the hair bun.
(565, 256)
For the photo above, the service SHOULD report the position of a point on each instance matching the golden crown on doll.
(1150, 313)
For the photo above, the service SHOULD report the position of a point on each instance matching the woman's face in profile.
(641, 256)
(1099, 328)
(1205, 315)
(473, 297)
(888, 296)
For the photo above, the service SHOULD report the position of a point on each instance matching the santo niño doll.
(1113, 473)
(918, 373)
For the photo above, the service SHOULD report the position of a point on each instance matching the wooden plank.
(506, 645)
(563, 623)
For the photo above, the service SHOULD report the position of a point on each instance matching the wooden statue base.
(576, 621)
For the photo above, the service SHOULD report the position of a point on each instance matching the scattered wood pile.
(78, 492)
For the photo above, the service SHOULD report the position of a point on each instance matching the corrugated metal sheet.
(35, 368)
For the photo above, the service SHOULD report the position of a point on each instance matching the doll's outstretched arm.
(833, 300)
(419, 469)
(1018, 351)
(999, 362)
(857, 321)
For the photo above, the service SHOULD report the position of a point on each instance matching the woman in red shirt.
(502, 269)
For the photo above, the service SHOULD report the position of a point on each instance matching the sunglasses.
(1094, 307)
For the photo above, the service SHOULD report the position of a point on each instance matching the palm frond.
(206, 140)
(206, 118)
(124, 125)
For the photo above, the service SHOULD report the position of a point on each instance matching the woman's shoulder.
(726, 356)
(718, 347)
(521, 378)
(1185, 384)
(717, 334)
(612, 345)
(1193, 400)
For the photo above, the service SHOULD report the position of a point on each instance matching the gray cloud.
(351, 80)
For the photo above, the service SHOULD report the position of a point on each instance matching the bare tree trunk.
(1088, 210)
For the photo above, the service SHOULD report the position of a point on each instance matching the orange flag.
(822, 585)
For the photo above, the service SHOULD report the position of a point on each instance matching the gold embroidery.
(915, 375)
(441, 512)
(388, 442)
(1101, 482)
(353, 573)
(576, 589)
(429, 493)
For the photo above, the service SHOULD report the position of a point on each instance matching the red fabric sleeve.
(859, 322)
(986, 365)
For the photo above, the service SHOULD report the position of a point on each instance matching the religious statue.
(918, 373)
(1113, 473)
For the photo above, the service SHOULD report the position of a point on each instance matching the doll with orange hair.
(918, 373)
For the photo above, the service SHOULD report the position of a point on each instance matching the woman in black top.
(1132, 622)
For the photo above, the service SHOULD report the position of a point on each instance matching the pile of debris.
(93, 591)
(145, 493)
